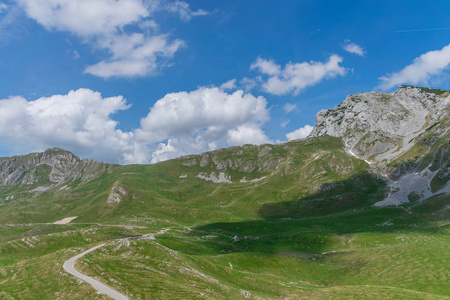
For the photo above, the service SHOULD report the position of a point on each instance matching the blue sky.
(139, 81)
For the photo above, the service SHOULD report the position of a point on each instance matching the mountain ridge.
(381, 126)
(304, 218)
(426, 151)
(58, 165)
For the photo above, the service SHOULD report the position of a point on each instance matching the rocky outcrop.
(381, 126)
(117, 193)
(222, 178)
(54, 164)
(404, 135)
(246, 159)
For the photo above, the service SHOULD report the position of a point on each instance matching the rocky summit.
(51, 166)
(381, 126)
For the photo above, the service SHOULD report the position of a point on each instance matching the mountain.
(366, 193)
(53, 165)
(380, 127)
(405, 135)
(400, 140)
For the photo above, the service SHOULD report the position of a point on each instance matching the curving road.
(100, 287)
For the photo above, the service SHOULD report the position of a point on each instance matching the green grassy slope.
(305, 229)
(155, 193)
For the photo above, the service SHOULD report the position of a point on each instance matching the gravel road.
(100, 287)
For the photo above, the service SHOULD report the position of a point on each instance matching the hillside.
(357, 210)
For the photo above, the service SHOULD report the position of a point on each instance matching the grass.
(429, 90)
(307, 230)
(326, 257)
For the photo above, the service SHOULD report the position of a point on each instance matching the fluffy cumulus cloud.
(300, 133)
(79, 121)
(85, 17)
(296, 76)
(201, 120)
(179, 123)
(351, 47)
(103, 24)
(423, 68)
(135, 55)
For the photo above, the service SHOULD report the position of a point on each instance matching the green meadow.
(304, 228)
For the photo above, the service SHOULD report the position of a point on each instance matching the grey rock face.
(380, 126)
(262, 159)
(269, 164)
(190, 162)
(248, 166)
(59, 165)
(116, 195)
(264, 150)
(229, 163)
(204, 161)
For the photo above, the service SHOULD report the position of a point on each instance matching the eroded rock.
(116, 195)
(381, 126)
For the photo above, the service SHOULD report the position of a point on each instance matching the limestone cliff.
(55, 165)
(404, 135)
(381, 126)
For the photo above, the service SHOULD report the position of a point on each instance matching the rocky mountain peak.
(54, 165)
(381, 126)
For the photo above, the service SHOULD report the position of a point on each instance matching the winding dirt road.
(100, 287)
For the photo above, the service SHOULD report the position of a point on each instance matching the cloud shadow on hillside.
(309, 225)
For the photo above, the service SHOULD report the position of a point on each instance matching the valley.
(358, 210)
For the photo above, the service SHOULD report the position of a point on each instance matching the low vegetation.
(291, 221)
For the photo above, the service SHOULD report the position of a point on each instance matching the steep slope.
(424, 170)
(55, 165)
(53, 170)
(404, 136)
(380, 126)
(238, 178)
(320, 168)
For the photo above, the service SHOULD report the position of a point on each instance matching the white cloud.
(288, 107)
(79, 121)
(229, 85)
(164, 152)
(249, 84)
(202, 120)
(422, 69)
(135, 55)
(268, 67)
(183, 9)
(246, 134)
(300, 133)
(297, 76)
(179, 123)
(85, 17)
(351, 47)
(104, 25)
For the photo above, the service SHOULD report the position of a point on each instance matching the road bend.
(100, 287)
